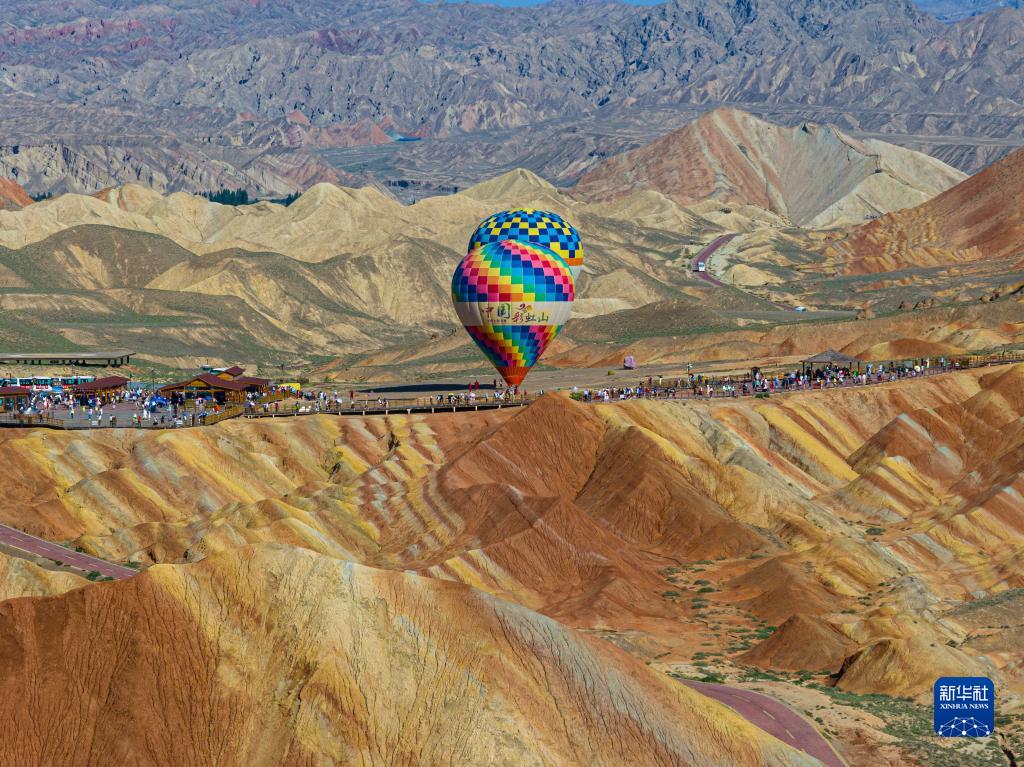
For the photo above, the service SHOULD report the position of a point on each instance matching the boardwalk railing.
(743, 386)
(720, 387)
(33, 420)
(391, 407)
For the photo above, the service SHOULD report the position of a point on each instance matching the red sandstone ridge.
(12, 196)
(518, 558)
(813, 175)
(981, 218)
(277, 656)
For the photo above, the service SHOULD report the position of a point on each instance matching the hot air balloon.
(536, 227)
(513, 298)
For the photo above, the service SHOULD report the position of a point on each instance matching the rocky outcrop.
(12, 196)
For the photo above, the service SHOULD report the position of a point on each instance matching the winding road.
(705, 255)
(773, 717)
(57, 553)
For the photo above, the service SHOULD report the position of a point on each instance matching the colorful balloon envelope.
(536, 227)
(513, 298)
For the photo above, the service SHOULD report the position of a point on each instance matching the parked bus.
(42, 384)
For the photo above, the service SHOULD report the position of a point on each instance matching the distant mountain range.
(275, 97)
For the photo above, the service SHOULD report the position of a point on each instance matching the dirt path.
(57, 553)
(773, 717)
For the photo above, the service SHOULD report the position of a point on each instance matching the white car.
(701, 266)
(800, 309)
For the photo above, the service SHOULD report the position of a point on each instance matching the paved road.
(705, 256)
(773, 717)
(54, 552)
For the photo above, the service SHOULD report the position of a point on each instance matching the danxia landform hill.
(274, 655)
(809, 175)
(981, 219)
(959, 248)
(520, 586)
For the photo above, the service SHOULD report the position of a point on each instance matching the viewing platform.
(103, 358)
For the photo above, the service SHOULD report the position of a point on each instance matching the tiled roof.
(101, 384)
(210, 380)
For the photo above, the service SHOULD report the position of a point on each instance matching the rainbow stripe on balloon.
(512, 271)
(513, 349)
(513, 299)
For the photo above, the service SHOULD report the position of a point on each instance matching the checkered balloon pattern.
(513, 299)
(536, 227)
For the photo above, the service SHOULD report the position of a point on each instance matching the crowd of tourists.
(700, 386)
(142, 408)
(128, 405)
(138, 406)
(475, 395)
(324, 401)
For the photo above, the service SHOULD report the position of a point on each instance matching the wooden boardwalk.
(409, 407)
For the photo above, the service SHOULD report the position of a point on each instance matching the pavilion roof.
(101, 384)
(830, 356)
(214, 382)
